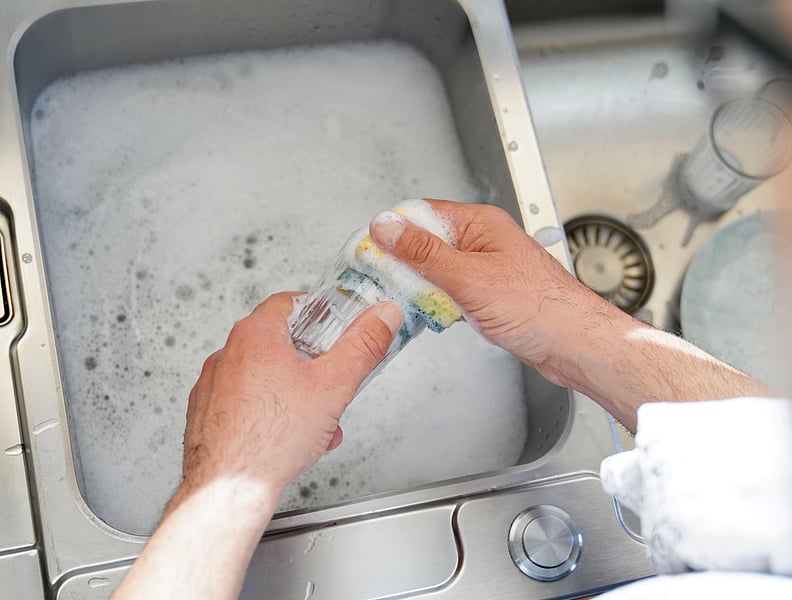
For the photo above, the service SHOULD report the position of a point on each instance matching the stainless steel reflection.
(20, 575)
(444, 539)
(16, 518)
(616, 103)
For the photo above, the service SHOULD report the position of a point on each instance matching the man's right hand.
(510, 289)
(521, 299)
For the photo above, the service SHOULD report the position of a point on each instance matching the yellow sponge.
(437, 309)
(433, 306)
(367, 252)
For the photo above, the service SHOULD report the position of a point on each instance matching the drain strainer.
(611, 259)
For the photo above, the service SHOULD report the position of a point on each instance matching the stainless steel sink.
(447, 538)
(616, 98)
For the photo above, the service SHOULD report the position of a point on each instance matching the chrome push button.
(545, 543)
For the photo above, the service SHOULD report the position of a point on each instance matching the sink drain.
(611, 259)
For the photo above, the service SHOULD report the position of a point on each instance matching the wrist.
(248, 502)
(204, 543)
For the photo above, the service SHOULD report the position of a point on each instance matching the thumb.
(364, 343)
(419, 249)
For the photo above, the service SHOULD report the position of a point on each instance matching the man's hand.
(261, 410)
(258, 416)
(521, 299)
(510, 289)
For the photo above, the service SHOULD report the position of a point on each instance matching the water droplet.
(27, 258)
(547, 236)
(98, 582)
(310, 546)
(659, 70)
(716, 53)
(14, 450)
(310, 588)
(44, 425)
(533, 208)
(513, 146)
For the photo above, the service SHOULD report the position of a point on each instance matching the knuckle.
(489, 213)
(422, 248)
(210, 363)
(374, 341)
(494, 212)
(239, 332)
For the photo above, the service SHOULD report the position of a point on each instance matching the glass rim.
(769, 84)
(725, 160)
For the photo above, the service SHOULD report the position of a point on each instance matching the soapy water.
(174, 197)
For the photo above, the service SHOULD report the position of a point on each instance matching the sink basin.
(76, 247)
(616, 99)
(140, 182)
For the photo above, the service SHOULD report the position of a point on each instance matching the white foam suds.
(400, 282)
(174, 197)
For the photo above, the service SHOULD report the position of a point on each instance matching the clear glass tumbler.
(362, 275)
(748, 141)
(341, 295)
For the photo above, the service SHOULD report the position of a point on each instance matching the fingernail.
(391, 315)
(386, 228)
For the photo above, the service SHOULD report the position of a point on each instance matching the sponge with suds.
(419, 298)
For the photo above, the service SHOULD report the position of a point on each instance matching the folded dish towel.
(711, 483)
(703, 586)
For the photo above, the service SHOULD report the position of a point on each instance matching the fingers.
(276, 308)
(364, 344)
(421, 250)
(477, 226)
(335, 441)
(266, 324)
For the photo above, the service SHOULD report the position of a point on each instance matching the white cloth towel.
(706, 586)
(711, 483)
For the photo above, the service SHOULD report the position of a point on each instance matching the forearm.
(622, 363)
(204, 542)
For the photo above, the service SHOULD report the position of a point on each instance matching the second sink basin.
(616, 101)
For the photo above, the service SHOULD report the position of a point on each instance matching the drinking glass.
(747, 141)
